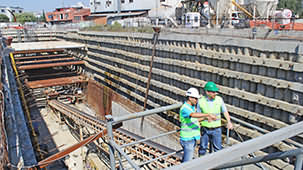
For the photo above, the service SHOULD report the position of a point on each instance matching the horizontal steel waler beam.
(49, 65)
(273, 83)
(292, 108)
(55, 82)
(151, 103)
(44, 60)
(241, 112)
(281, 146)
(154, 104)
(204, 67)
(221, 54)
(250, 115)
(287, 51)
(275, 103)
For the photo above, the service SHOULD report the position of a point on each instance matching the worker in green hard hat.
(190, 127)
(211, 132)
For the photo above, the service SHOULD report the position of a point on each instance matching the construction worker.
(211, 131)
(190, 128)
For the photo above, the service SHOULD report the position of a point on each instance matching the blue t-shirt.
(186, 114)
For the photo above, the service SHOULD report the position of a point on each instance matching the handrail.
(118, 119)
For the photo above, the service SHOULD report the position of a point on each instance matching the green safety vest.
(189, 126)
(215, 110)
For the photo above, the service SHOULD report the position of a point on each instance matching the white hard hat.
(193, 92)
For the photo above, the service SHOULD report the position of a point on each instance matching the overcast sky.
(39, 5)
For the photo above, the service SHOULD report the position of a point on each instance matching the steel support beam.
(299, 162)
(224, 156)
(44, 60)
(38, 66)
(273, 156)
(56, 82)
(41, 56)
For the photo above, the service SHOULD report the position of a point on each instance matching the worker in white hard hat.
(190, 127)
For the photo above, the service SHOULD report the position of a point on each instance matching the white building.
(156, 8)
(7, 11)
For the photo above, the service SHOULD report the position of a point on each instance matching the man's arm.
(203, 116)
(229, 124)
(227, 116)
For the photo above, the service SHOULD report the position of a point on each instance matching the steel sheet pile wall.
(20, 150)
(261, 81)
(100, 99)
(3, 139)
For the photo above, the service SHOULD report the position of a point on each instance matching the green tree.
(4, 18)
(294, 5)
(25, 17)
(42, 17)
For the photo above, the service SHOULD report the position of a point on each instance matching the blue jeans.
(188, 149)
(210, 135)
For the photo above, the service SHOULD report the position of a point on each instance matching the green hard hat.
(211, 86)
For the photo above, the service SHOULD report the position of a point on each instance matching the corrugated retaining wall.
(260, 80)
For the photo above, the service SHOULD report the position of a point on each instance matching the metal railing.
(114, 147)
(211, 161)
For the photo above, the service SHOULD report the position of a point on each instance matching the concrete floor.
(63, 139)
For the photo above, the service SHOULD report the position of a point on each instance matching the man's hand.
(229, 125)
(211, 117)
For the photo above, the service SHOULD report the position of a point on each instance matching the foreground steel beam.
(41, 56)
(224, 156)
(55, 82)
(50, 65)
(45, 60)
(269, 157)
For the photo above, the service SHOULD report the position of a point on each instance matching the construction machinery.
(255, 13)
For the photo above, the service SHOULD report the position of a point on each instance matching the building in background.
(5, 10)
(106, 11)
(67, 15)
